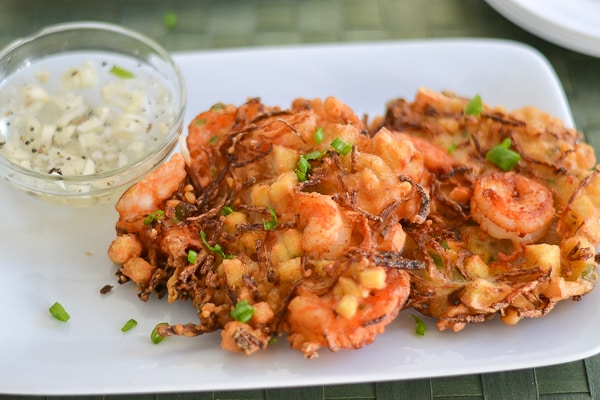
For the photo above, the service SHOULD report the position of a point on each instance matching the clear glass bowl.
(87, 38)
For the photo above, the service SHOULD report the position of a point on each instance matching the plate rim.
(552, 30)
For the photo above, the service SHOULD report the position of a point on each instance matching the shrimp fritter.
(278, 222)
(509, 240)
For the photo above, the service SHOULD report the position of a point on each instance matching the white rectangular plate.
(52, 253)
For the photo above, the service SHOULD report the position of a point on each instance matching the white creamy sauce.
(70, 115)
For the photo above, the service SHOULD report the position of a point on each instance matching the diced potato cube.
(580, 256)
(349, 287)
(281, 189)
(476, 267)
(481, 294)
(347, 306)
(292, 239)
(284, 159)
(290, 270)
(260, 195)
(288, 245)
(233, 219)
(510, 316)
(545, 256)
(234, 270)
(262, 313)
(372, 278)
(138, 270)
(124, 248)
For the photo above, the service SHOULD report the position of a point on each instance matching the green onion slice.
(502, 156)
(59, 312)
(420, 326)
(452, 148)
(474, 107)
(272, 223)
(226, 210)
(341, 147)
(170, 20)
(154, 336)
(242, 311)
(192, 256)
(318, 135)
(303, 168)
(444, 244)
(121, 72)
(437, 259)
(216, 248)
(129, 325)
(154, 216)
(214, 139)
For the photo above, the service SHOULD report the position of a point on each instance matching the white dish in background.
(574, 24)
(52, 253)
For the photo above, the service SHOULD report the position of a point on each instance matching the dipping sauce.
(83, 113)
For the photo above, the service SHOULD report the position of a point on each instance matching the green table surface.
(204, 24)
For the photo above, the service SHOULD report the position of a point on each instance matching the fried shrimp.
(273, 205)
(146, 196)
(511, 206)
(364, 299)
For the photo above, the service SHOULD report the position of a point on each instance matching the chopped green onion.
(226, 210)
(341, 147)
(318, 135)
(155, 336)
(314, 155)
(170, 20)
(200, 122)
(192, 256)
(452, 148)
(444, 244)
(153, 216)
(420, 326)
(129, 325)
(272, 223)
(502, 156)
(303, 168)
(217, 107)
(216, 248)
(437, 259)
(474, 107)
(242, 311)
(59, 312)
(214, 139)
(121, 72)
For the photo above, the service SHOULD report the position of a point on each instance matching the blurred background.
(185, 25)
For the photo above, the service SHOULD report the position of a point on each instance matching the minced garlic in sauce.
(66, 117)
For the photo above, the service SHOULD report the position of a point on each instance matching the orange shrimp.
(511, 206)
(364, 300)
(147, 195)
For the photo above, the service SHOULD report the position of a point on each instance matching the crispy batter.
(327, 243)
(498, 242)
(308, 233)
